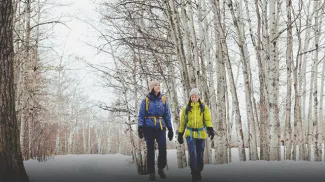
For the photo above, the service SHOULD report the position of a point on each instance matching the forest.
(258, 63)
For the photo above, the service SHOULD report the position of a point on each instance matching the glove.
(210, 132)
(180, 138)
(140, 132)
(170, 134)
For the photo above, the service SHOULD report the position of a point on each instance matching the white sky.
(74, 41)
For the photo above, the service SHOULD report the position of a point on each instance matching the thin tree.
(288, 130)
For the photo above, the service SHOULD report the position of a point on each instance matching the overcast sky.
(73, 42)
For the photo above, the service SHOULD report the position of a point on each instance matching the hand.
(180, 138)
(210, 132)
(170, 134)
(140, 132)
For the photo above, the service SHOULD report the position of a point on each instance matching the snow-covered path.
(116, 168)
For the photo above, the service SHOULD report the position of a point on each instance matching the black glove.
(180, 138)
(170, 134)
(210, 132)
(140, 132)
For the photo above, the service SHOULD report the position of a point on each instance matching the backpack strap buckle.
(155, 120)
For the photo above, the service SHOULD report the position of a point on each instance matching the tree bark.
(11, 166)
(248, 95)
(288, 130)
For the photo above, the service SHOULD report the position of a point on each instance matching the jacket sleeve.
(182, 121)
(142, 113)
(168, 117)
(207, 117)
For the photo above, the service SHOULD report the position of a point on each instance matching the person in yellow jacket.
(196, 124)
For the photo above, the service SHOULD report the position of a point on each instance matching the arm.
(207, 117)
(182, 121)
(168, 117)
(142, 113)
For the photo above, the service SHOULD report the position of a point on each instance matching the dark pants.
(196, 152)
(150, 135)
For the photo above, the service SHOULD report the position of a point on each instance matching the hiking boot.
(152, 177)
(162, 173)
(194, 176)
(199, 177)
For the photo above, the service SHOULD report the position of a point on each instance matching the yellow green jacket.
(195, 120)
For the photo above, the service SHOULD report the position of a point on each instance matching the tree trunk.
(219, 33)
(174, 22)
(24, 119)
(317, 141)
(175, 107)
(288, 131)
(262, 118)
(196, 73)
(321, 124)
(302, 86)
(57, 142)
(221, 58)
(11, 166)
(248, 95)
(272, 84)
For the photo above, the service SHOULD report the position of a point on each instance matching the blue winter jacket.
(156, 108)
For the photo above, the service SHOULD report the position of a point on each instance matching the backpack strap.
(154, 117)
(147, 103)
(163, 99)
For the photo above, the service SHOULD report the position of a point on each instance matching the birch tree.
(272, 82)
(248, 96)
(317, 139)
(289, 53)
(260, 53)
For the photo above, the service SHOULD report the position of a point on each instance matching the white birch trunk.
(109, 139)
(194, 48)
(203, 54)
(321, 99)
(248, 96)
(229, 126)
(22, 81)
(188, 44)
(174, 21)
(175, 107)
(303, 152)
(263, 126)
(84, 140)
(262, 56)
(99, 141)
(277, 89)
(310, 119)
(317, 140)
(225, 57)
(65, 142)
(70, 139)
(57, 143)
(288, 130)
(272, 84)
(89, 143)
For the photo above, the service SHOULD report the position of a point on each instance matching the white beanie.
(152, 84)
(195, 91)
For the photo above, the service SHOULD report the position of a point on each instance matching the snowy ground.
(116, 168)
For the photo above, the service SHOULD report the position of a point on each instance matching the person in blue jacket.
(153, 120)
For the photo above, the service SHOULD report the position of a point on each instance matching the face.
(194, 98)
(156, 88)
